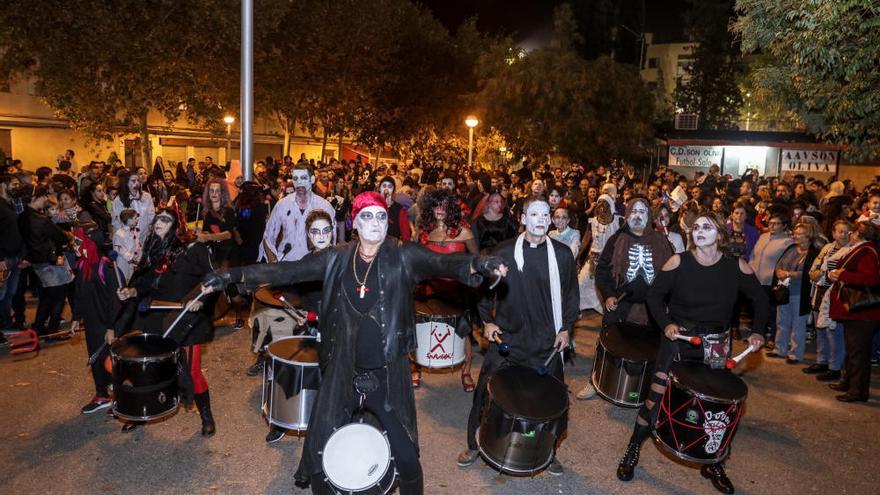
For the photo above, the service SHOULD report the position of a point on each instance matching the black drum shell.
(695, 389)
(624, 362)
(522, 420)
(144, 377)
(291, 379)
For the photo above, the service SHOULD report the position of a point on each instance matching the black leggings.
(49, 308)
(94, 340)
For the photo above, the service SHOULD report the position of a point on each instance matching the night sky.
(531, 21)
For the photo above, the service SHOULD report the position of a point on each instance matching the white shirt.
(288, 221)
(144, 207)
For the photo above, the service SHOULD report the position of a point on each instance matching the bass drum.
(700, 412)
(522, 421)
(144, 376)
(357, 461)
(291, 379)
(624, 362)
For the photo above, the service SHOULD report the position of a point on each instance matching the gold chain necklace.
(362, 289)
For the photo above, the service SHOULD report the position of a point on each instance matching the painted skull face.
(704, 232)
(302, 182)
(638, 217)
(321, 234)
(386, 189)
(561, 219)
(537, 218)
(372, 224)
(447, 183)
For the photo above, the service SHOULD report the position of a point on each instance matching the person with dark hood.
(398, 217)
(367, 330)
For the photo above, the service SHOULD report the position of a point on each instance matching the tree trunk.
(340, 147)
(378, 155)
(145, 142)
(323, 144)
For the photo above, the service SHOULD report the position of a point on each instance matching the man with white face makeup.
(367, 329)
(533, 312)
(288, 219)
(629, 264)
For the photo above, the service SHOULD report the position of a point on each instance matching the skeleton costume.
(628, 265)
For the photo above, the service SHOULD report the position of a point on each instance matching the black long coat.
(400, 267)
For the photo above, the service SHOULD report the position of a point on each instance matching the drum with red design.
(437, 345)
(700, 412)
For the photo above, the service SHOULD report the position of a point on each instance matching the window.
(653, 62)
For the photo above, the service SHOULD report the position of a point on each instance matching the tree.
(104, 66)
(552, 101)
(823, 66)
(710, 87)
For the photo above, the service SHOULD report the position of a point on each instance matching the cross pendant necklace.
(362, 289)
(362, 286)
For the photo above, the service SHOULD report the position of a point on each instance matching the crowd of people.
(80, 235)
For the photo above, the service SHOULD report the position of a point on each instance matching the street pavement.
(794, 438)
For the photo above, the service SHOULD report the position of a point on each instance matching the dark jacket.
(11, 244)
(400, 267)
(43, 239)
(806, 286)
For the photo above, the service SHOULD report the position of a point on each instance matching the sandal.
(417, 379)
(467, 382)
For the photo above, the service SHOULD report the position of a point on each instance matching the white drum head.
(356, 457)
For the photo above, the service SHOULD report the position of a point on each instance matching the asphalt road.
(795, 438)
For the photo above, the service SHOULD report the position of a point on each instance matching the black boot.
(257, 368)
(203, 403)
(715, 473)
(627, 467)
(414, 487)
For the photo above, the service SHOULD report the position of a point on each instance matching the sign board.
(808, 161)
(695, 156)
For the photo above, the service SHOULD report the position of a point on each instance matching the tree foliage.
(552, 101)
(710, 88)
(824, 64)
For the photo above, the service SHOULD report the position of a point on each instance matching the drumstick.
(543, 370)
(693, 340)
(185, 309)
(290, 308)
(736, 359)
(94, 357)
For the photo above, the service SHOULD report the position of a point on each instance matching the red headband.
(365, 199)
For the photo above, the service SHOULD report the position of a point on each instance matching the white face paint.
(321, 234)
(386, 189)
(537, 218)
(447, 184)
(704, 232)
(302, 182)
(372, 224)
(638, 217)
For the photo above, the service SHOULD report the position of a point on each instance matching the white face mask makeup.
(537, 218)
(301, 181)
(638, 217)
(321, 234)
(372, 224)
(704, 232)
(386, 189)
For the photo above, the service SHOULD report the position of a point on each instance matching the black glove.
(218, 280)
(486, 265)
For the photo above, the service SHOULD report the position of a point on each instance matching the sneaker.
(555, 468)
(467, 457)
(257, 368)
(586, 393)
(238, 325)
(96, 404)
(275, 434)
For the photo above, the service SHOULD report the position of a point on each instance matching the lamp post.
(229, 119)
(471, 122)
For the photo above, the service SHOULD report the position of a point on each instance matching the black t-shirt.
(368, 351)
(217, 222)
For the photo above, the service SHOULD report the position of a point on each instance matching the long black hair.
(159, 250)
(434, 198)
(123, 192)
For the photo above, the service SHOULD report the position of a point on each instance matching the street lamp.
(471, 122)
(229, 119)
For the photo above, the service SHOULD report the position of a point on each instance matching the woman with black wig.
(171, 269)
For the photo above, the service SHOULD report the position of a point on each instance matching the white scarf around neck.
(555, 285)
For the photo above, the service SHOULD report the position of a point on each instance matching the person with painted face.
(320, 232)
(398, 217)
(367, 330)
(170, 270)
(662, 221)
(694, 293)
(288, 219)
(131, 195)
(629, 264)
(533, 311)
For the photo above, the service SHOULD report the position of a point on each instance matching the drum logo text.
(439, 338)
(715, 426)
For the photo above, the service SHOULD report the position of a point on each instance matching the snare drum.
(624, 361)
(523, 419)
(144, 376)
(291, 379)
(437, 345)
(700, 412)
(357, 461)
(269, 315)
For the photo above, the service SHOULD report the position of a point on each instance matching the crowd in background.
(793, 231)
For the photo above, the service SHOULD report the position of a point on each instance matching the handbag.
(780, 294)
(857, 299)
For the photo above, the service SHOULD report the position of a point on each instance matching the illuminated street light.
(229, 119)
(471, 122)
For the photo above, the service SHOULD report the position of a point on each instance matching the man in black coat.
(367, 330)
